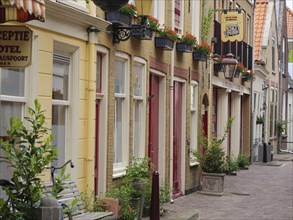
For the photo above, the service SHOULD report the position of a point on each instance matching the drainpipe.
(90, 153)
(171, 87)
(251, 92)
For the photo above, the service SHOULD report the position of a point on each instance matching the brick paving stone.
(264, 192)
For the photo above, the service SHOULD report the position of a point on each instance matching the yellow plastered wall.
(45, 45)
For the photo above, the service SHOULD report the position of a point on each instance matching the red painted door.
(229, 115)
(97, 145)
(177, 136)
(153, 149)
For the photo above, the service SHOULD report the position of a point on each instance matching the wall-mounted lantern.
(229, 66)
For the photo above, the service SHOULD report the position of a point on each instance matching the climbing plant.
(206, 22)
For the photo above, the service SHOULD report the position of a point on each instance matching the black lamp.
(229, 66)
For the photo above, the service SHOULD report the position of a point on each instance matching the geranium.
(168, 33)
(218, 59)
(240, 67)
(129, 9)
(153, 23)
(204, 48)
(188, 38)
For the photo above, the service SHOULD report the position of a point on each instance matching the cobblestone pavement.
(264, 192)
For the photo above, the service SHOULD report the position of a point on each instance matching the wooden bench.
(69, 194)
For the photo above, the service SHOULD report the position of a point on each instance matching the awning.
(22, 10)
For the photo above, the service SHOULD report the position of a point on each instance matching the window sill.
(117, 173)
(194, 164)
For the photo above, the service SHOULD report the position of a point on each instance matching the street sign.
(15, 46)
(232, 26)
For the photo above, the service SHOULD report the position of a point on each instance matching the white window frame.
(193, 123)
(142, 63)
(71, 113)
(119, 169)
(195, 18)
(180, 28)
(78, 4)
(159, 11)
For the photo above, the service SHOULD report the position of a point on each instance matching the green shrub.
(231, 165)
(28, 151)
(243, 160)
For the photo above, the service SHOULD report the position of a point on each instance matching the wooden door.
(97, 146)
(177, 136)
(153, 148)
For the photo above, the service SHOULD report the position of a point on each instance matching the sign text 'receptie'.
(15, 35)
(15, 46)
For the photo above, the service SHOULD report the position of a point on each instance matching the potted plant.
(123, 17)
(185, 43)
(247, 76)
(243, 162)
(211, 157)
(239, 69)
(28, 151)
(202, 51)
(231, 166)
(166, 39)
(153, 23)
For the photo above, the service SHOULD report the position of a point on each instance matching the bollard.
(265, 153)
(155, 199)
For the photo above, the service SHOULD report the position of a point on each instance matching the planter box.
(218, 67)
(143, 35)
(164, 43)
(199, 56)
(213, 184)
(245, 78)
(183, 47)
(118, 18)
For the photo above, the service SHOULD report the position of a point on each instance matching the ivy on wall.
(206, 22)
(290, 56)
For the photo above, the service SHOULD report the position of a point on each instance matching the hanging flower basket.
(143, 35)
(119, 18)
(245, 78)
(183, 47)
(196, 55)
(110, 5)
(164, 43)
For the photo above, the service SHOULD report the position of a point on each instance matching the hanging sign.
(232, 26)
(15, 46)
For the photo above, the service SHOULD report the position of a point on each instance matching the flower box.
(218, 67)
(164, 43)
(199, 56)
(139, 33)
(245, 78)
(118, 18)
(183, 47)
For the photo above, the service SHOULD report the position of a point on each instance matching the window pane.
(58, 129)
(118, 130)
(8, 110)
(60, 77)
(138, 80)
(12, 82)
(137, 129)
(99, 73)
(119, 77)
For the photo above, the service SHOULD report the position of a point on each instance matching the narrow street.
(265, 191)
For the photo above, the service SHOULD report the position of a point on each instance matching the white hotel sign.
(15, 46)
